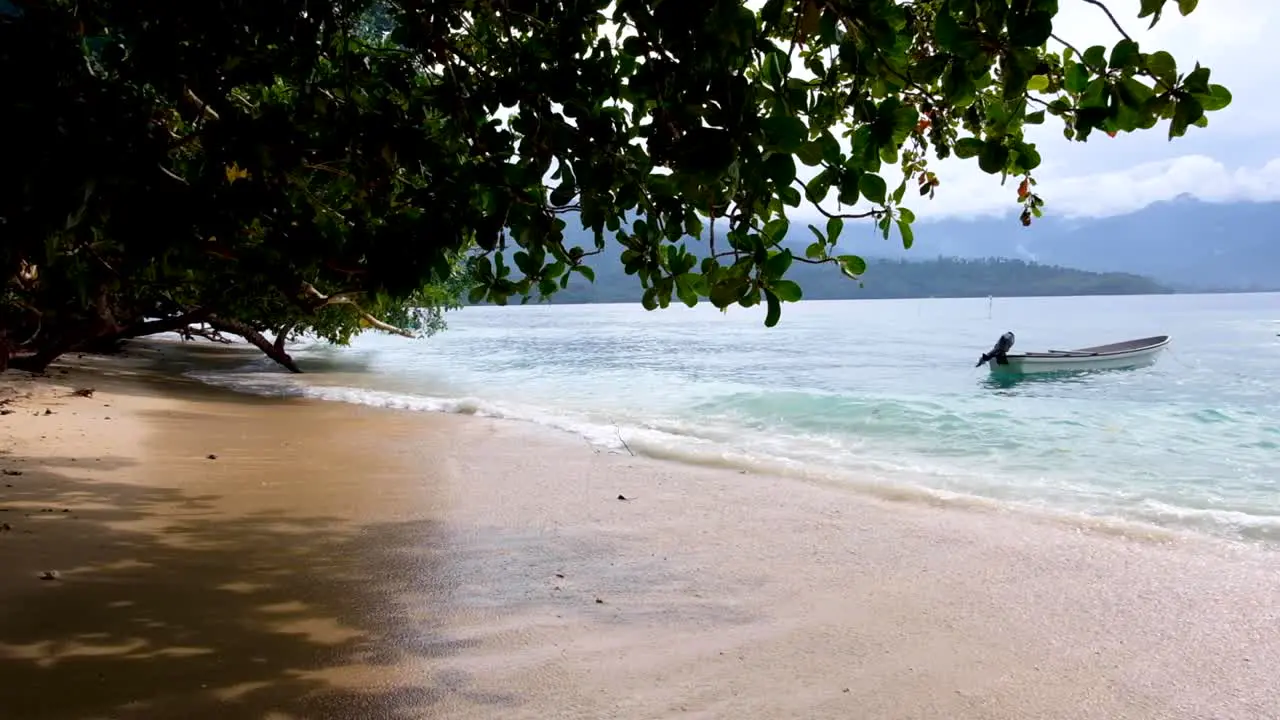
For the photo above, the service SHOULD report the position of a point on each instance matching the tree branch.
(163, 325)
(1067, 45)
(326, 300)
(843, 216)
(255, 338)
(1111, 17)
(210, 334)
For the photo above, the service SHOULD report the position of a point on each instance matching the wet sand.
(334, 561)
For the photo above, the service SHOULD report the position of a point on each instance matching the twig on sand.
(617, 431)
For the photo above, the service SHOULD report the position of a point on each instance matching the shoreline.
(339, 560)
(871, 487)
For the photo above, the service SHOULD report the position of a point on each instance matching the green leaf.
(811, 153)
(789, 196)
(873, 188)
(1035, 118)
(852, 265)
(950, 36)
(586, 272)
(650, 299)
(1028, 158)
(831, 151)
(563, 194)
(778, 264)
(1185, 112)
(787, 290)
(1030, 30)
(1125, 55)
(786, 133)
(775, 230)
(773, 68)
(906, 215)
(816, 250)
(1076, 78)
(774, 311)
(994, 157)
(781, 169)
(477, 294)
(1197, 81)
(818, 188)
(908, 235)
(685, 291)
(1095, 57)
(1153, 8)
(1186, 7)
(1218, 98)
(1163, 66)
(724, 294)
(1038, 83)
(968, 147)
(835, 226)
(771, 13)
(946, 31)
(633, 46)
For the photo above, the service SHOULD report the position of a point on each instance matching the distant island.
(897, 278)
(1188, 244)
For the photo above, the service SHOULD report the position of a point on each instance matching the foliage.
(324, 167)
(910, 278)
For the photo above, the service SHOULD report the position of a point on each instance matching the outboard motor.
(999, 353)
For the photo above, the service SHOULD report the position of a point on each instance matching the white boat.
(1128, 354)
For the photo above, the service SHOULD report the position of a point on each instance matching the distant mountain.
(885, 278)
(1179, 245)
(1186, 243)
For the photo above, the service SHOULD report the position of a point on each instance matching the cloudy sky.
(1237, 157)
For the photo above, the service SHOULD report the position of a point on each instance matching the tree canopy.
(319, 167)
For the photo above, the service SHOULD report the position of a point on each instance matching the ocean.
(880, 394)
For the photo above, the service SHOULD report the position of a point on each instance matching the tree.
(329, 167)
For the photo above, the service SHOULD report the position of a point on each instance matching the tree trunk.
(37, 362)
(68, 333)
(235, 327)
(282, 336)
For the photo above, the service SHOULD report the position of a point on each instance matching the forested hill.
(942, 277)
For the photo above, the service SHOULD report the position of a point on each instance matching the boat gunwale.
(1127, 347)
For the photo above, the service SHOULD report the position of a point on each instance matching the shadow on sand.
(168, 605)
(209, 616)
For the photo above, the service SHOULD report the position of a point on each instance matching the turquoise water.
(880, 394)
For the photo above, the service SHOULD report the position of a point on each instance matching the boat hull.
(1087, 359)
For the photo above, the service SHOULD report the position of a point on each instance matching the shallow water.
(883, 394)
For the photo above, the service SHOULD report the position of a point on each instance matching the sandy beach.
(224, 556)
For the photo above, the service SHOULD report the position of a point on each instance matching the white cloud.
(1231, 159)
(971, 193)
(1235, 158)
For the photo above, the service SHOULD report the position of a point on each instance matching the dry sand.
(334, 561)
